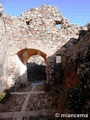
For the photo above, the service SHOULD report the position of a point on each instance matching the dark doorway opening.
(36, 69)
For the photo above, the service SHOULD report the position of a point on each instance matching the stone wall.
(76, 80)
(3, 53)
(35, 28)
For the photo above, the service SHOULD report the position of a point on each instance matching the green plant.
(5, 95)
(2, 96)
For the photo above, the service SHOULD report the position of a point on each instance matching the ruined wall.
(69, 83)
(3, 54)
(76, 80)
(35, 28)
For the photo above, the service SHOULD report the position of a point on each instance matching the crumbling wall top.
(44, 11)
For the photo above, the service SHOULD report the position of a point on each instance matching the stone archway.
(24, 55)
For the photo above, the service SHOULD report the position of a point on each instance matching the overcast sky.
(76, 11)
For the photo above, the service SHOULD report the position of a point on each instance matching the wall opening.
(58, 24)
(36, 69)
(28, 22)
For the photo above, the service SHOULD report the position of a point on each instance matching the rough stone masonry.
(44, 29)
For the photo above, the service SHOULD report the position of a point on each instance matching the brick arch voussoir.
(26, 53)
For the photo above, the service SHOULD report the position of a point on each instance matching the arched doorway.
(24, 55)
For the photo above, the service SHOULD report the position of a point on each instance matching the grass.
(2, 96)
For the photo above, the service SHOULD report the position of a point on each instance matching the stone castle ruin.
(38, 31)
